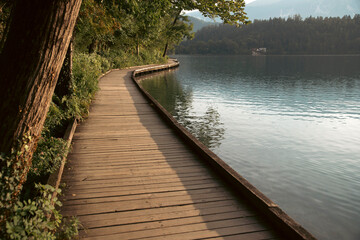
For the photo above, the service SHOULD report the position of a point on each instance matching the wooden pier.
(134, 173)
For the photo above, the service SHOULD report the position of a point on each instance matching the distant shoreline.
(271, 55)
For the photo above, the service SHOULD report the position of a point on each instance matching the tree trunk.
(30, 63)
(173, 24)
(137, 49)
(92, 46)
(166, 48)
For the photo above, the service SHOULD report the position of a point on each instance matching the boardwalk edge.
(55, 178)
(272, 211)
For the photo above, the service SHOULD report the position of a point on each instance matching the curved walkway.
(129, 176)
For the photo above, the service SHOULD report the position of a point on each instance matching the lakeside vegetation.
(107, 35)
(333, 35)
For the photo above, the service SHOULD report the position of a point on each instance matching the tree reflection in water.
(178, 101)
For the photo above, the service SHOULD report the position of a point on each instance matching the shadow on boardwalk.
(130, 177)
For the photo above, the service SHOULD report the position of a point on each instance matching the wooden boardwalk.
(129, 176)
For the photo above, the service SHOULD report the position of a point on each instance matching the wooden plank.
(98, 166)
(145, 196)
(196, 209)
(240, 217)
(116, 195)
(129, 172)
(77, 179)
(107, 207)
(139, 154)
(134, 142)
(128, 162)
(138, 167)
(260, 235)
(120, 151)
(127, 148)
(167, 213)
(90, 135)
(135, 180)
(144, 182)
(158, 185)
(193, 231)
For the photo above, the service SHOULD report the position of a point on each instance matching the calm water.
(288, 124)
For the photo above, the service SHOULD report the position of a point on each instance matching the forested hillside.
(199, 24)
(265, 9)
(280, 36)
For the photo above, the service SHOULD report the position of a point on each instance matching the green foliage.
(31, 219)
(95, 27)
(86, 70)
(121, 59)
(54, 118)
(38, 218)
(10, 177)
(230, 12)
(48, 156)
(134, 25)
(280, 36)
(5, 10)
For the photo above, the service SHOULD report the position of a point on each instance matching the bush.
(39, 219)
(35, 218)
(86, 70)
(48, 156)
(121, 59)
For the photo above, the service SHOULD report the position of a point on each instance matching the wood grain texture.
(129, 176)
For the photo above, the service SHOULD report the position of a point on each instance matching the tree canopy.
(134, 24)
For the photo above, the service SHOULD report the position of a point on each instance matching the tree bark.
(173, 24)
(137, 49)
(30, 63)
(166, 48)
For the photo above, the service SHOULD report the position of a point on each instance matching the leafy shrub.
(55, 118)
(31, 219)
(86, 70)
(121, 59)
(48, 156)
(39, 219)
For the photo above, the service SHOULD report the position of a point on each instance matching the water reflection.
(178, 100)
(292, 129)
(206, 128)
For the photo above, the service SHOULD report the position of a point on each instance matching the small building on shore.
(258, 51)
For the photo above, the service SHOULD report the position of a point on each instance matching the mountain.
(198, 23)
(265, 9)
(198, 15)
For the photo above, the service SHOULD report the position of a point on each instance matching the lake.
(288, 124)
